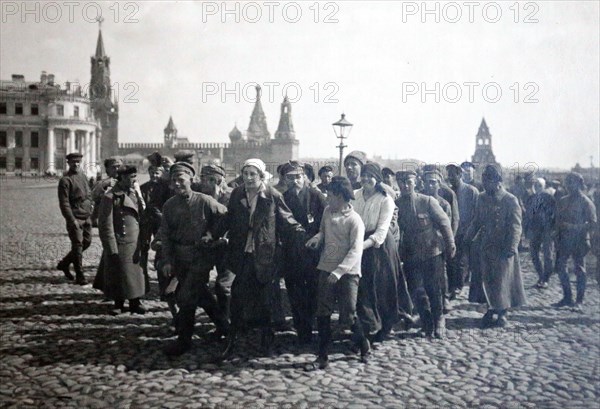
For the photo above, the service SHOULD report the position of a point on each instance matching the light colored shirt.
(251, 204)
(376, 213)
(341, 234)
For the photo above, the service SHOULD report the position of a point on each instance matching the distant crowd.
(387, 250)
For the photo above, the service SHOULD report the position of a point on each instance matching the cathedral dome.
(235, 135)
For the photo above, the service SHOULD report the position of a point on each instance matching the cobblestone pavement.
(60, 348)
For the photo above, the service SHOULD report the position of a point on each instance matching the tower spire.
(100, 53)
(257, 129)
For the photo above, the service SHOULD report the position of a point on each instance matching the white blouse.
(376, 213)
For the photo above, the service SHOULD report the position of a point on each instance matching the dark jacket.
(75, 197)
(539, 213)
(424, 227)
(272, 222)
(575, 220)
(307, 207)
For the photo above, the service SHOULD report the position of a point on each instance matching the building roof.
(100, 53)
(257, 129)
(483, 129)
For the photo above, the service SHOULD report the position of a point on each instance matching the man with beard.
(575, 219)
(188, 219)
(300, 266)
(498, 221)
(75, 202)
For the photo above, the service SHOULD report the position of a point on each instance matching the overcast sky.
(371, 60)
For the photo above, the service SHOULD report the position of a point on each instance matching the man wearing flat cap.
(75, 202)
(300, 265)
(212, 183)
(468, 175)
(426, 235)
(575, 219)
(188, 220)
(118, 227)
(325, 174)
(498, 222)
(467, 197)
(155, 193)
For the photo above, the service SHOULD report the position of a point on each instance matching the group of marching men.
(380, 247)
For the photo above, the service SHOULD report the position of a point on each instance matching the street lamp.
(342, 129)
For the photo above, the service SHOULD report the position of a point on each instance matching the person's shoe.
(137, 309)
(177, 348)
(487, 319)
(578, 307)
(502, 322)
(65, 269)
(365, 351)
(438, 329)
(217, 335)
(80, 280)
(322, 362)
(565, 302)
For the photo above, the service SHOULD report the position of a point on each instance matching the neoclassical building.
(41, 122)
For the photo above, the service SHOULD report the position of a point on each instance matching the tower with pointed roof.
(285, 130)
(235, 135)
(106, 109)
(483, 147)
(170, 134)
(257, 129)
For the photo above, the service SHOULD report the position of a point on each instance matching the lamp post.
(342, 129)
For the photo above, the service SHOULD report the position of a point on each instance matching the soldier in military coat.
(75, 201)
(119, 228)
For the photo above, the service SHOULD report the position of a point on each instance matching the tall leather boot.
(324, 328)
(78, 267)
(362, 341)
(581, 283)
(231, 342)
(135, 306)
(427, 319)
(567, 299)
(267, 340)
(185, 330)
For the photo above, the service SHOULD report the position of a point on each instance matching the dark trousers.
(458, 271)
(561, 267)
(302, 291)
(80, 235)
(543, 241)
(425, 279)
(193, 292)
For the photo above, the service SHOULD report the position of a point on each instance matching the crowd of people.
(384, 249)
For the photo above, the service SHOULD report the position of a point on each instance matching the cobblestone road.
(60, 348)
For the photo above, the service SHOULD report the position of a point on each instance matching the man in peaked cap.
(189, 218)
(468, 175)
(212, 183)
(75, 202)
(575, 219)
(118, 226)
(300, 266)
(426, 235)
(498, 222)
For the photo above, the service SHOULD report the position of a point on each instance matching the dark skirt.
(382, 291)
(252, 301)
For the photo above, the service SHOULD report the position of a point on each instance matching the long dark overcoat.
(498, 222)
(118, 226)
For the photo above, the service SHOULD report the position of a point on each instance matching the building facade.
(256, 142)
(41, 122)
